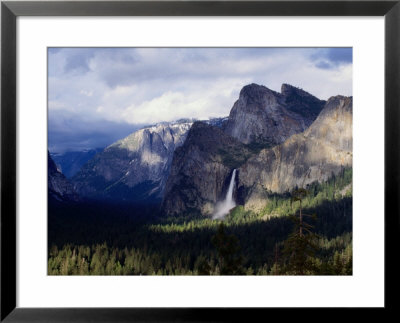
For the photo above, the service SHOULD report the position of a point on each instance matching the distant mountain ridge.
(187, 164)
(71, 162)
(134, 168)
(59, 188)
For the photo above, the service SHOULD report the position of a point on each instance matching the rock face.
(263, 115)
(261, 118)
(71, 162)
(59, 188)
(314, 155)
(275, 141)
(135, 168)
(201, 169)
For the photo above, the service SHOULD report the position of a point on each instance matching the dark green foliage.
(234, 157)
(239, 214)
(303, 103)
(257, 145)
(300, 251)
(301, 245)
(118, 239)
(202, 266)
(299, 195)
(318, 195)
(228, 249)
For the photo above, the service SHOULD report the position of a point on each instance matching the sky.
(99, 95)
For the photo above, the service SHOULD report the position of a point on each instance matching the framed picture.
(153, 151)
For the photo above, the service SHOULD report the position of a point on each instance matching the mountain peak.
(263, 115)
(288, 90)
(254, 90)
(338, 102)
(339, 97)
(134, 168)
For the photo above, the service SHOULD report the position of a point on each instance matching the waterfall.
(229, 194)
(228, 204)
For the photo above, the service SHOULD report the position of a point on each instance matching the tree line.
(115, 240)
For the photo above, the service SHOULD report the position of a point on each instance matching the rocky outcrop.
(59, 188)
(265, 116)
(201, 169)
(323, 149)
(135, 168)
(276, 141)
(261, 118)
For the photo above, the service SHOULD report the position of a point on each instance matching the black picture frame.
(10, 10)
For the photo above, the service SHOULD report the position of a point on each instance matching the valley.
(214, 197)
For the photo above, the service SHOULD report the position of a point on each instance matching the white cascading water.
(228, 204)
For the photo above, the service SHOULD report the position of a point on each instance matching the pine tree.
(228, 248)
(301, 245)
(276, 268)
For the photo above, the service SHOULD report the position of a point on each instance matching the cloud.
(122, 86)
(340, 55)
(69, 132)
(331, 58)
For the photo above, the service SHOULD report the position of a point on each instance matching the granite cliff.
(325, 148)
(266, 116)
(276, 141)
(259, 119)
(59, 188)
(135, 168)
(201, 169)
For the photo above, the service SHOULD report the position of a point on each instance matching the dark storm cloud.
(68, 132)
(329, 58)
(95, 93)
(340, 55)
